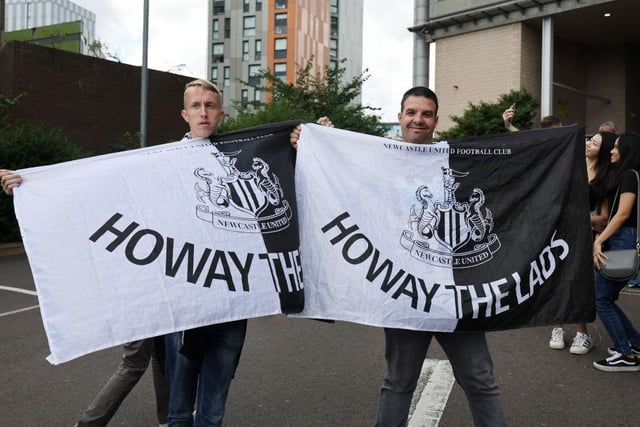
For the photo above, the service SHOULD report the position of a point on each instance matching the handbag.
(623, 264)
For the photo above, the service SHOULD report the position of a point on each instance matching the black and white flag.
(488, 233)
(165, 238)
(483, 234)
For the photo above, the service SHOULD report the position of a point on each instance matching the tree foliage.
(25, 145)
(486, 118)
(309, 98)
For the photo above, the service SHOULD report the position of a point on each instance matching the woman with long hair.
(598, 157)
(619, 233)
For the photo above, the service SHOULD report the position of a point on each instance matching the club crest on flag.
(448, 232)
(250, 201)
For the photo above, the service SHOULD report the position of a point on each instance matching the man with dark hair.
(405, 350)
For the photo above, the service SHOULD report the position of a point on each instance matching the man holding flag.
(405, 350)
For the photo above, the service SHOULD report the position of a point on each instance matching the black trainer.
(618, 363)
(635, 349)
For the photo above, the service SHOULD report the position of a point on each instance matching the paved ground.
(297, 372)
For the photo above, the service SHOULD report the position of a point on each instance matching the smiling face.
(418, 120)
(615, 153)
(202, 110)
(592, 147)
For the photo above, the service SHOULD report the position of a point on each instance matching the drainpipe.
(546, 81)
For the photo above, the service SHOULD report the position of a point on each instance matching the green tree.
(25, 145)
(310, 97)
(486, 118)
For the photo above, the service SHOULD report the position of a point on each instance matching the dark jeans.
(405, 352)
(207, 377)
(617, 324)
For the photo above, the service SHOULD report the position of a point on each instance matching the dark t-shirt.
(628, 184)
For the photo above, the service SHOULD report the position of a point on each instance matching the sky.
(178, 36)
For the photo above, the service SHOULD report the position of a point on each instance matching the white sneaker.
(581, 344)
(557, 339)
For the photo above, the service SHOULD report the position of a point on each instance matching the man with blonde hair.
(201, 362)
(202, 108)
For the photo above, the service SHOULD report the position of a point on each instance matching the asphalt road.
(299, 372)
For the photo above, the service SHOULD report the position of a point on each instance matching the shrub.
(25, 145)
(485, 118)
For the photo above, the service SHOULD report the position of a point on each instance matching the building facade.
(246, 36)
(66, 36)
(580, 58)
(34, 14)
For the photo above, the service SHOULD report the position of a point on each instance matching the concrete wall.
(94, 101)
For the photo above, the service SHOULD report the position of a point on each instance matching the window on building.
(333, 63)
(245, 50)
(257, 95)
(214, 75)
(280, 71)
(280, 49)
(249, 26)
(333, 48)
(227, 76)
(245, 95)
(258, 54)
(334, 6)
(258, 5)
(253, 74)
(334, 26)
(281, 4)
(227, 28)
(246, 6)
(218, 7)
(215, 29)
(281, 23)
(218, 52)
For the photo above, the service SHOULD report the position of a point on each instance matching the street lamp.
(144, 78)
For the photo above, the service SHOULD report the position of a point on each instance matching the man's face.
(203, 112)
(418, 120)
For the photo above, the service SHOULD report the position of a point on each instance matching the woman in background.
(619, 233)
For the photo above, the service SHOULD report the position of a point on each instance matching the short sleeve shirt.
(628, 184)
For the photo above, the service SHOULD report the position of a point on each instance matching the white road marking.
(436, 381)
(8, 313)
(18, 290)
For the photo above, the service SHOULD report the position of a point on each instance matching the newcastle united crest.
(450, 233)
(250, 201)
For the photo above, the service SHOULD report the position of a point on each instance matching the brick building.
(94, 101)
(580, 58)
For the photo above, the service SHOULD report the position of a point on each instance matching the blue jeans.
(405, 351)
(612, 317)
(207, 377)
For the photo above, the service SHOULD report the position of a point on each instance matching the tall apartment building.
(246, 36)
(581, 58)
(32, 14)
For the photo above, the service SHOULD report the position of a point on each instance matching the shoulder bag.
(623, 264)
